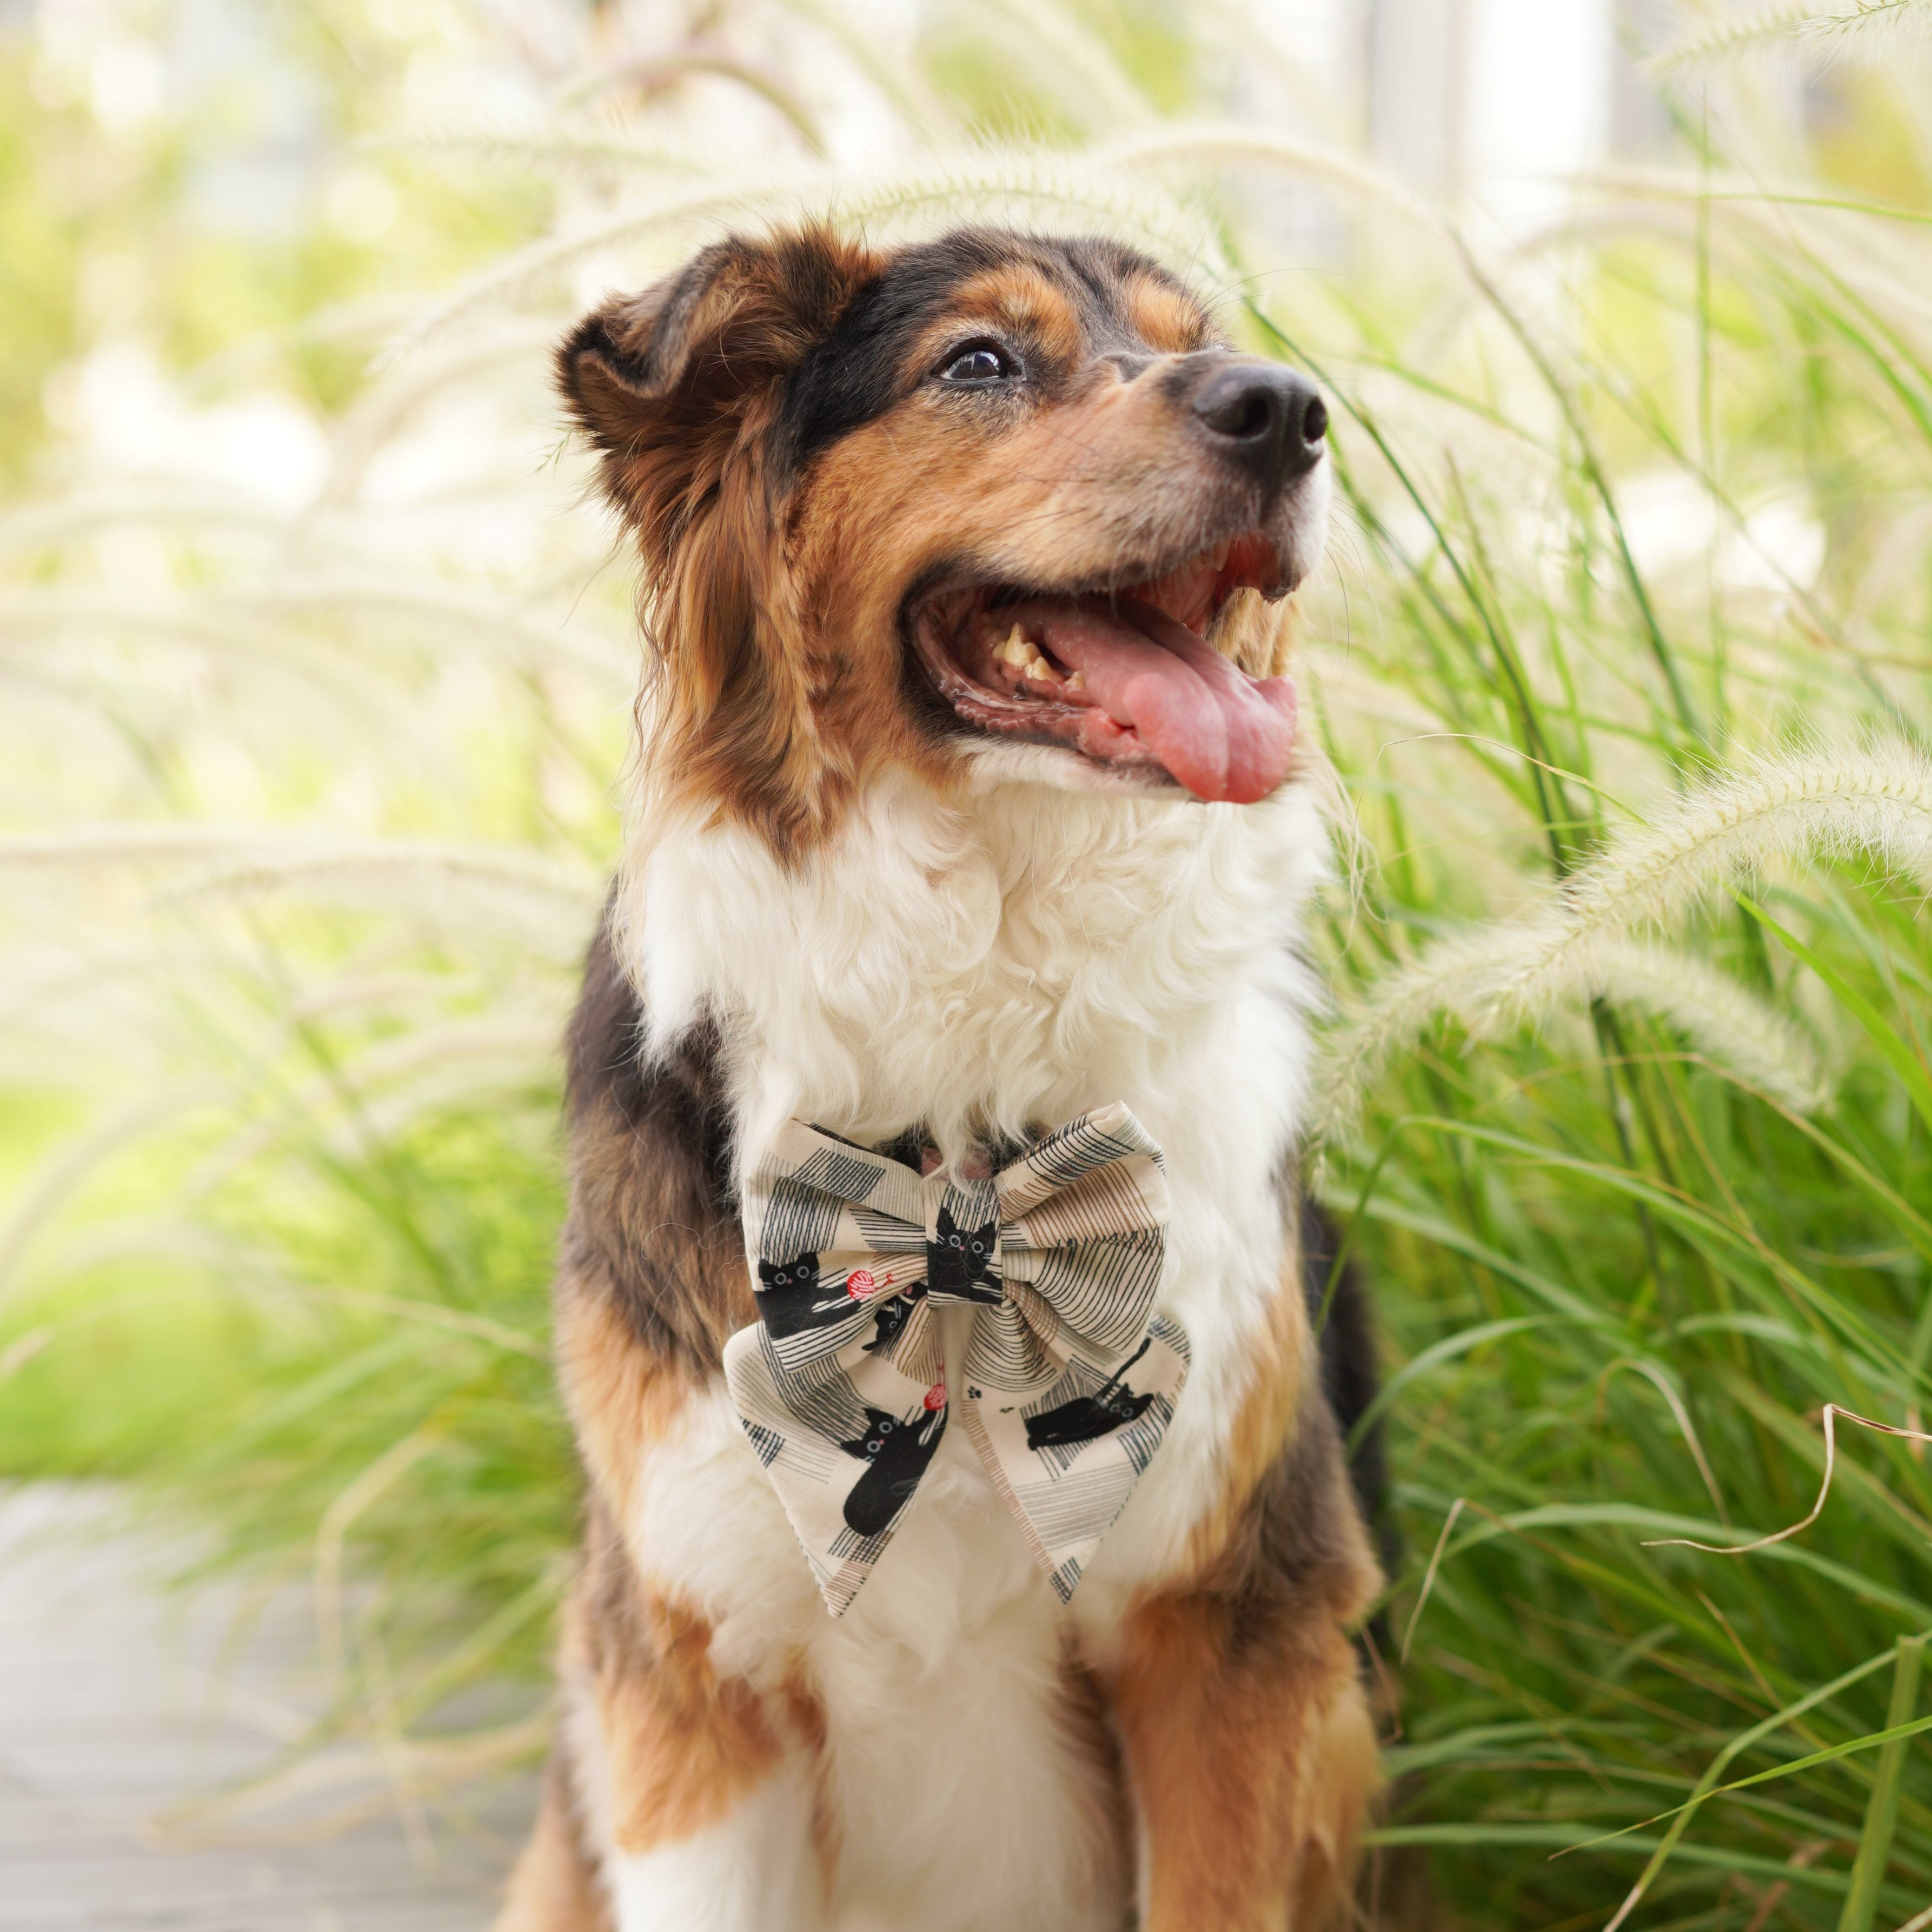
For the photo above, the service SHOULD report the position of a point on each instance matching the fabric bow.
(842, 1384)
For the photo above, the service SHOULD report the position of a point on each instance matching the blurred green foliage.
(39, 253)
(219, 206)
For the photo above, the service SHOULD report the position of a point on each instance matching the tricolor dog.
(969, 1545)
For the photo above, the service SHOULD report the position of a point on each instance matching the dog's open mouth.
(1127, 677)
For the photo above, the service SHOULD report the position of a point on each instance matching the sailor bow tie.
(1067, 1378)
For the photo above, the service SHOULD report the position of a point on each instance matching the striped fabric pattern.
(1068, 1378)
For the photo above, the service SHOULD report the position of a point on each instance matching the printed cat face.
(895, 1453)
(960, 1260)
(1084, 1419)
(879, 1429)
(1087, 1416)
(891, 1318)
(791, 1298)
(788, 1277)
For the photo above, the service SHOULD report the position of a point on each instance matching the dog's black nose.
(1266, 419)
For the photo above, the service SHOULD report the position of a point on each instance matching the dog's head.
(994, 507)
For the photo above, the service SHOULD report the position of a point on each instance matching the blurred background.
(316, 664)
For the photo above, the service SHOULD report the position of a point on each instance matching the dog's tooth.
(1077, 681)
(1218, 555)
(1041, 672)
(1018, 649)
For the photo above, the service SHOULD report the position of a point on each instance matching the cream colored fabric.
(1069, 1378)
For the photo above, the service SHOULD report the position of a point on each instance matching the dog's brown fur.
(1227, 1713)
(768, 709)
(1237, 1697)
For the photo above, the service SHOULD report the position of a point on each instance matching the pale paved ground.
(116, 1703)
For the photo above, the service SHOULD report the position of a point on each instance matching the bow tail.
(1065, 1449)
(844, 1437)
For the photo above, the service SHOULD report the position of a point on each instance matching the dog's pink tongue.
(1223, 735)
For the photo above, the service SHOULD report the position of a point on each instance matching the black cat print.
(964, 1261)
(894, 1451)
(1081, 1417)
(1070, 1376)
(791, 1298)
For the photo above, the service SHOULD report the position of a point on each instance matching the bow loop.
(1069, 1377)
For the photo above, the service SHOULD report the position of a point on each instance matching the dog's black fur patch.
(653, 1220)
(859, 370)
(1351, 1376)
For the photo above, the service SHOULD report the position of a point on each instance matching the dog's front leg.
(1250, 1753)
(696, 1792)
(749, 1870)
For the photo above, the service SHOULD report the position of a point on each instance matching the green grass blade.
(1898, 1051)
(1881, 1807)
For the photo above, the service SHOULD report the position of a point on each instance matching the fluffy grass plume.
(1516, 971)
(1867, 29)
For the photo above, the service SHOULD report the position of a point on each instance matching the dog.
(967, 799)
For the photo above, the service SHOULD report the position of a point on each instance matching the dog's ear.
(667, 383)
(680, 388)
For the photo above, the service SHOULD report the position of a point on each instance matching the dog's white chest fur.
(988, 968)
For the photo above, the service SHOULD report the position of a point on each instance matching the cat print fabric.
(790, 1300)
(1067, 1378)
(964, 1261)
(895, 1453)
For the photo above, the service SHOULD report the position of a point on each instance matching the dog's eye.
(978, 362)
